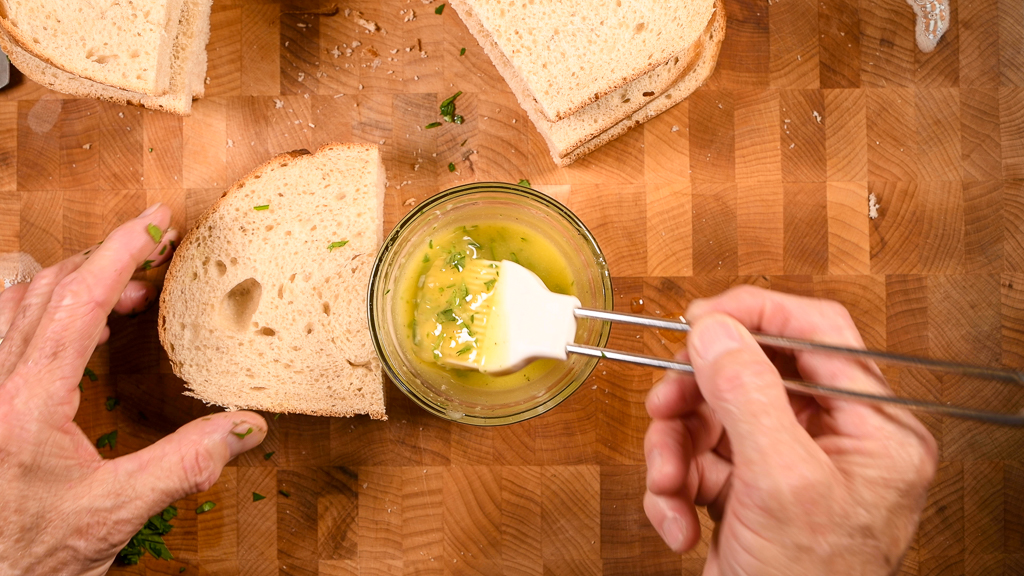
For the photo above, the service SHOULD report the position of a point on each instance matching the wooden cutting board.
(761, 177)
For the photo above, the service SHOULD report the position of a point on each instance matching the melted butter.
(444, 291)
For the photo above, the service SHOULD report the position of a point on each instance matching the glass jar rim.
(431, 204)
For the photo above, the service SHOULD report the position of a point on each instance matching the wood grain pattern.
(761, 177)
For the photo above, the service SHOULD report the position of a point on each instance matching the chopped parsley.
(205, 507)
(276, 416)
(148, 264)
(466, 348)
(262, 207)
(242, 435)
(150, 149)
(148, 539)
(433, 125)
(90, 375)
(514, 258)
(446, 315)
(285, 493)
(112, 403)
(426, 258)
(525, 182)
(448, 109)
(256, 497)
(155, 232)
(108, 439)
(164, 249)
(439, 10)
(462, 52)
(490, 284)
(338, 244)
(451, 167)
(268, 455)
(457, 260)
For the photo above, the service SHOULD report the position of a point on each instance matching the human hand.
(795, 485)
(64, 509)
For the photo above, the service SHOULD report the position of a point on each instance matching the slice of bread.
(127, 44)
(695, 79)
(188, 68)
(570, 53)
(264, 309)
(572, 132)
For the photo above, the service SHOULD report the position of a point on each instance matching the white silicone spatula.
(525, 322)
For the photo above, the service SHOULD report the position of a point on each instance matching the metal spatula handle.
(802, 387)
(680, 325)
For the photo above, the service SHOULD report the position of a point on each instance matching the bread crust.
(522, 89)
(174, 272)
(705, 67)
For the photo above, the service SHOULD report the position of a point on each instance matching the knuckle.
(74, 298)
(199, 469)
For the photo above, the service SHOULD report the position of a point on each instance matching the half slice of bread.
(127, 44)
(570, 53)
(592, 120)
(188, 67)
(264, 304)
(695, 79)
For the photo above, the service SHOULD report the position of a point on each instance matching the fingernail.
(150, 210)
(244, 436)
(715, 338)
(672, 531)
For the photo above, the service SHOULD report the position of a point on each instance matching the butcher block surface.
(763, 177)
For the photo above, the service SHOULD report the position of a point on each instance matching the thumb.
(186, 462)
(744, 389)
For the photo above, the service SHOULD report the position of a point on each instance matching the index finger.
(804, 318)
(77, 312)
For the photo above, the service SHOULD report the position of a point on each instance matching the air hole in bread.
(222, 268)
(287, 232)
(313, 229)
(234, 261)
(327, 308)
(240, 303)
(258, 388)
(206, 261)
(280, 291)
(195, 275)
(291, 278)
(267, 331)
(269, 227)
(648, 94)
(309, 328)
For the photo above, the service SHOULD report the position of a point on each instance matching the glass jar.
(494, 202)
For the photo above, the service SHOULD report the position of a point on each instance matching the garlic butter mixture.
(444, 291)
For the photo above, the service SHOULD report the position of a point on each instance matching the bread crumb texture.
(572, 52)
(122, 43)
(262, 309)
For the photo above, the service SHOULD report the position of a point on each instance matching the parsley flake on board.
(256, 497)
(88, 373)
(261, 207)
(525, 182)
(439, 10)
(451, 167)
(462, 52)
(448, 109)
(268, 455)
(108, 439)
(338, 244)
(112, 403)
(433, 125)
(205, 507)
(148, 264)
(148, 539)
(285, 493)
(155, 232)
